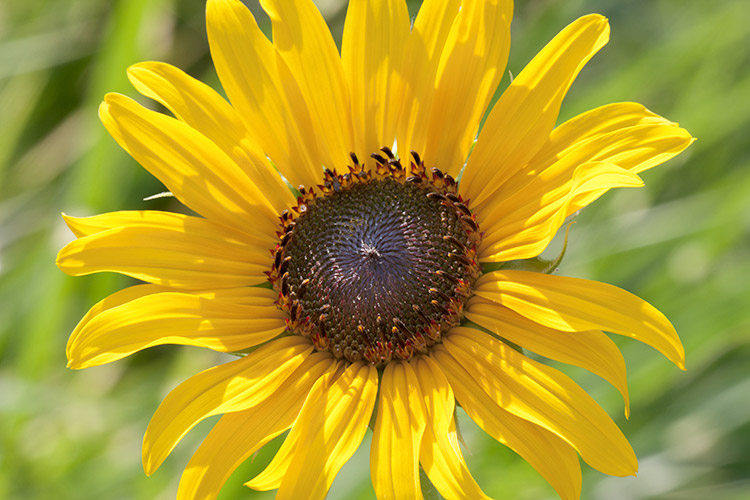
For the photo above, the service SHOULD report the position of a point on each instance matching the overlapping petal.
(471, 66)
(371, 52)
(553, 458)
(191, 166)
(574, 304)
(145, 316)
(201, 107)
(545, 397)
(271, 477)
(400, 424)
(440, 453)
(302, 38)
(525, 114)
(422, 54)
(331, 429)
(523, 224)
(629, 119)
(167, 249)
(262, 88)
(238, 435)
(226, 388)
(624, 134)
(591, 350)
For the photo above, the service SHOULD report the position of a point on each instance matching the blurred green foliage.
(682, 242)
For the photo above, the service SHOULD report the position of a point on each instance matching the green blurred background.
(682, 242)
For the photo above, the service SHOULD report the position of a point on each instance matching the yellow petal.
(245, 295)
(375, 33)
(271, 477)
(201, 107)
(636, 149)
(192, 167)
(574, 305)
(248, 296)
(86, 226)
(261, 87)
(591, 350)
(437, 393)
(191, 101)
(471, 67)
(440, 454)
(419, 68)
(602, 121)
(522, 225)
(116, 299)
(525, 114)
(627, 135)
(394, 453)
(226, 388)
(138, 318)
(553, 458)
(302, 37)
(332, 427)
(544, 396)
(238, 435)
(444, 464)
(165, 248)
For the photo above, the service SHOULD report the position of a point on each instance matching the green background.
(682, 243)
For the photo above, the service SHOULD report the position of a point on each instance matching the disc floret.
(376, 263)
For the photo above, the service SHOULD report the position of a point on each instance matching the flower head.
(385, 286)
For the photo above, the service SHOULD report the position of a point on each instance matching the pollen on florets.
(377, 263)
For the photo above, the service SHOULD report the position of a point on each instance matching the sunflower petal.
(419, 68)
(544, 396)
(135, 319)
(553, 458)
(525, 114)
(191, 101)
(238, 435)
(247, 296)
(400, 424)
(226, 388)
(333, 428)
(574, 305)
(522, 225)
(440, 454)
(167, 249)
(472, 64)
(371, 51)
(86, 226)
(302, 37)
(605, 120)
(591, 350)
(201, 107)
(261, 87)
(271, 477)
(192, 167)
(643, 140)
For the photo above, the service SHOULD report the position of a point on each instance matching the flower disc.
(378, 267)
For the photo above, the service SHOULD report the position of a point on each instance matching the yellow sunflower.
(360, 247)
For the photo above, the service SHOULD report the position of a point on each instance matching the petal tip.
(149, 466)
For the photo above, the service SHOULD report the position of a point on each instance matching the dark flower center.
(379, 267)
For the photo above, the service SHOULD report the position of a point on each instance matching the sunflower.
(366, 249)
